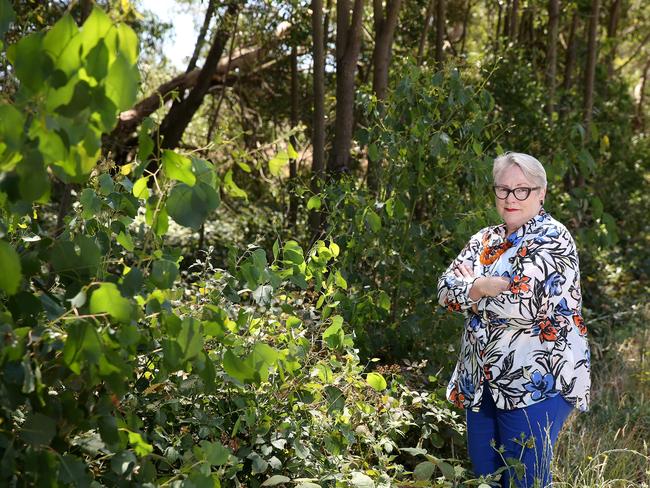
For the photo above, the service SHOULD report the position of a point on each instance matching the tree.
(551, 54)
(182, 111)
(348, 45)
(318, 124)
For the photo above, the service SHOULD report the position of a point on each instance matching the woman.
(524, 359)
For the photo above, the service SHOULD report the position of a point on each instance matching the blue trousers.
(526, 434)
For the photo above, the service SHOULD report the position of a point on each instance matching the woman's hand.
(488, 286)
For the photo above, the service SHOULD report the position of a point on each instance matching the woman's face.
(516, 212)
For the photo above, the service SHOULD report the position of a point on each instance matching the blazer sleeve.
(453, 292)
(545, 281)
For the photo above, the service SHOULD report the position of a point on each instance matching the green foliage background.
(130, 358)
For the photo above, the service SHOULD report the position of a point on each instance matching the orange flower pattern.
(529, 342)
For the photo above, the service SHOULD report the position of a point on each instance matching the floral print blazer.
(528, 343)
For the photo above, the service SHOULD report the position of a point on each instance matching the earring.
(541, 202)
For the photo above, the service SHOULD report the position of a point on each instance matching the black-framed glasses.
(521, 193)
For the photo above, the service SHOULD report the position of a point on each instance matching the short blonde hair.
(530, 167)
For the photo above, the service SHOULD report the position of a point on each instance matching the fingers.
(463, 271)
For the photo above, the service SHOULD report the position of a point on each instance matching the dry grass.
(609, 445)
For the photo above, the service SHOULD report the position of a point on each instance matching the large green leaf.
(108, 299)
(164, 273)
(122, 83)
(30, 62)
(38, 429)
(96, 27)
(97, 61)
(178, 167)
(191, 205)
(128, 43)
(190, 338)
(76, 260)
(59, 37)
(7, 16)
(83, 346)
(11, 274)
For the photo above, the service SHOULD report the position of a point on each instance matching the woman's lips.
(511, 209)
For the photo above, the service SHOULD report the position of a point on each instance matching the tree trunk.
(551, 55)
(441, 17)
(514, 18)
(612, 27)
(590, 69)
(180, 114)
(425, 30)
(318, 125)
(293, 199)
(571, 54)
(209, 13)
(385, 24)
(639, 117)
(465, 24)
(384, 32)
(348, 45)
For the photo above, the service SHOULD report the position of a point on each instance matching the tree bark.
(551, 55)
(465, 24)
(295, 89)
(571, 54)
(348, 45)
(590, 69)
(318, 125)
(385, 23)
(612, 28)
(384, 33)
(425, 30)
(514, 18)
(181, 112)
(441, 17)
(212, 4)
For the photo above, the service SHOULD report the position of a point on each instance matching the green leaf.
(377, 381)
(334, 335)
(215, 453)
(29, 60)
(292, 252)
(190, 338)
(124, 239)
(74, 471)
(424, 471)
(373, 152)
(314, 202)
(11, 274)
(38, 429)
(278, 162)
(97, 61)
(164, 273)
(128, 43)
(157, 220)
(276, 479)
(178, 167)
(59, 36)
(231, 187)
(121, 83)
(140, 189)
(107, 299)
(291, 152)
(76, 260)
(190, 206)
(11, 127)
(90, 203)
(82, 345)
(237, 368)
(373, 220)
(96, 27)
(140, 446)
(7, 16)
